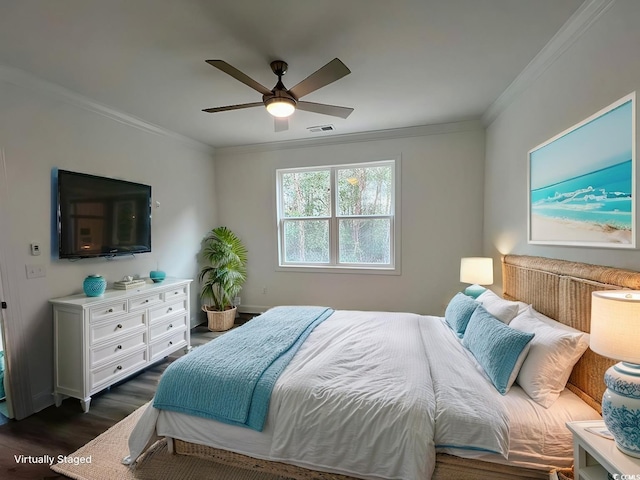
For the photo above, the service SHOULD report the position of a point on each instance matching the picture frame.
(582, 182)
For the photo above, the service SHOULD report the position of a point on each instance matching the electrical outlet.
(236, 301)
(36, 271)
(264, 290)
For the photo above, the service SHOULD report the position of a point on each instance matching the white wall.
(40, 131)
(598, 69)
(442, 191)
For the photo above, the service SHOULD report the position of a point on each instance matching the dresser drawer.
(175, 293)
(120, 327)
(107, 310)
(110, 374)
(167, 309)
(144, 302)
(162, 328)
(164, 347)
(116, 350)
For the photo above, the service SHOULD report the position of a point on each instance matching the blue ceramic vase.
(157, 276)
(94, 285)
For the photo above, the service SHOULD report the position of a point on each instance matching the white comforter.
(369, 394)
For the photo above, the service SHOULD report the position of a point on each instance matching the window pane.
(306, 241)
(306, 194)
(365, 241)
(365, 191)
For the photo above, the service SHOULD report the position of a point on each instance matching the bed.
(525, 449)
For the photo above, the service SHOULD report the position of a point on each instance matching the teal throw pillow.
(498, 348)
(458, 312)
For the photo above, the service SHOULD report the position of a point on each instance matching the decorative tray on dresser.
(99, 341)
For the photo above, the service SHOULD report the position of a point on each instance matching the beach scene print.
(581, 183)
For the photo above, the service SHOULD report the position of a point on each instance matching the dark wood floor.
(61, 431)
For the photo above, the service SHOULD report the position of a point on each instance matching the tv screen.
(102, 217)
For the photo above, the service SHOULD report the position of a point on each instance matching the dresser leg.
(85, 404)
(57, 398)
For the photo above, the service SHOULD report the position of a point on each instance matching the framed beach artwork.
(582, 182)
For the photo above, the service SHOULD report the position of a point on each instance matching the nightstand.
(595, 456)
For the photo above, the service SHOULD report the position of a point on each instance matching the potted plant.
(223, 273)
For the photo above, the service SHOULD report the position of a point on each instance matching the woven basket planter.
(220, 321)
(565, 473)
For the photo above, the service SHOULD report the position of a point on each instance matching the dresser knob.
(170, 343)
(171, 325)
(119, 347)
(169, 309)
(119, 325)
(110, 310)
(146, 301)
(119, 367)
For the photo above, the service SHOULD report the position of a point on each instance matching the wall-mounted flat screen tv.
(102, 217)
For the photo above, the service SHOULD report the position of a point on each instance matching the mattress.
(538, 436)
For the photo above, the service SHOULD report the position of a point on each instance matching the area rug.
(107, 450)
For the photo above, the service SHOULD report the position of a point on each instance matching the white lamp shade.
(478, 270)
(615, 324)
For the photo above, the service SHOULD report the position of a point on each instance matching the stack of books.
(126, 285)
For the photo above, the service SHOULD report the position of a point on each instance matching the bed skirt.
(447, 466)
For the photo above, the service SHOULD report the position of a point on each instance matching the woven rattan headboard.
(562, 290)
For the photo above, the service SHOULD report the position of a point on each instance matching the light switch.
(35, 249)
(36, 271)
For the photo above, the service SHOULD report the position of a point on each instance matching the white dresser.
(99, 341)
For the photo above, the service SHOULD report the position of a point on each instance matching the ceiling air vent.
(321, 128)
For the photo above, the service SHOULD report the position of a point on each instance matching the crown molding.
(23, 79)
(417, 131)
(577, 24)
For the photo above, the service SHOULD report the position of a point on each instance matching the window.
(338, 217)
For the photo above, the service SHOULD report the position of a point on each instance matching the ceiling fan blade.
(333, 110)
(332, 71)
(238, 75)
(233, 107)
(281, 124)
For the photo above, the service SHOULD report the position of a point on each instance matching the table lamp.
(615, 333)
(477, 271)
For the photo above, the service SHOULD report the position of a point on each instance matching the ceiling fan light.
(281, 107)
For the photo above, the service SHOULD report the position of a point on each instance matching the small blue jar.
(94, 285)
(157, 276)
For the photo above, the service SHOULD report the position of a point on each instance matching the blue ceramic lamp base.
(474, 291)
(621, 406)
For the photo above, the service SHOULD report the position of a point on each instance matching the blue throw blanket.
(231, 378)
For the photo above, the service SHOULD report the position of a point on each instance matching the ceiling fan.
(279, 101)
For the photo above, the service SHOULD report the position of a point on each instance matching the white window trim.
(394, 269)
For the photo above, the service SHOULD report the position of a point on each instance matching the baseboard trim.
(252, 308)
(41, 401)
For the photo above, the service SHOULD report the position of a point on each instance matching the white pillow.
(503, 310)
(554, 323)
(553, 352)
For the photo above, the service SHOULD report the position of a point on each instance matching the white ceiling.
(413, 62)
